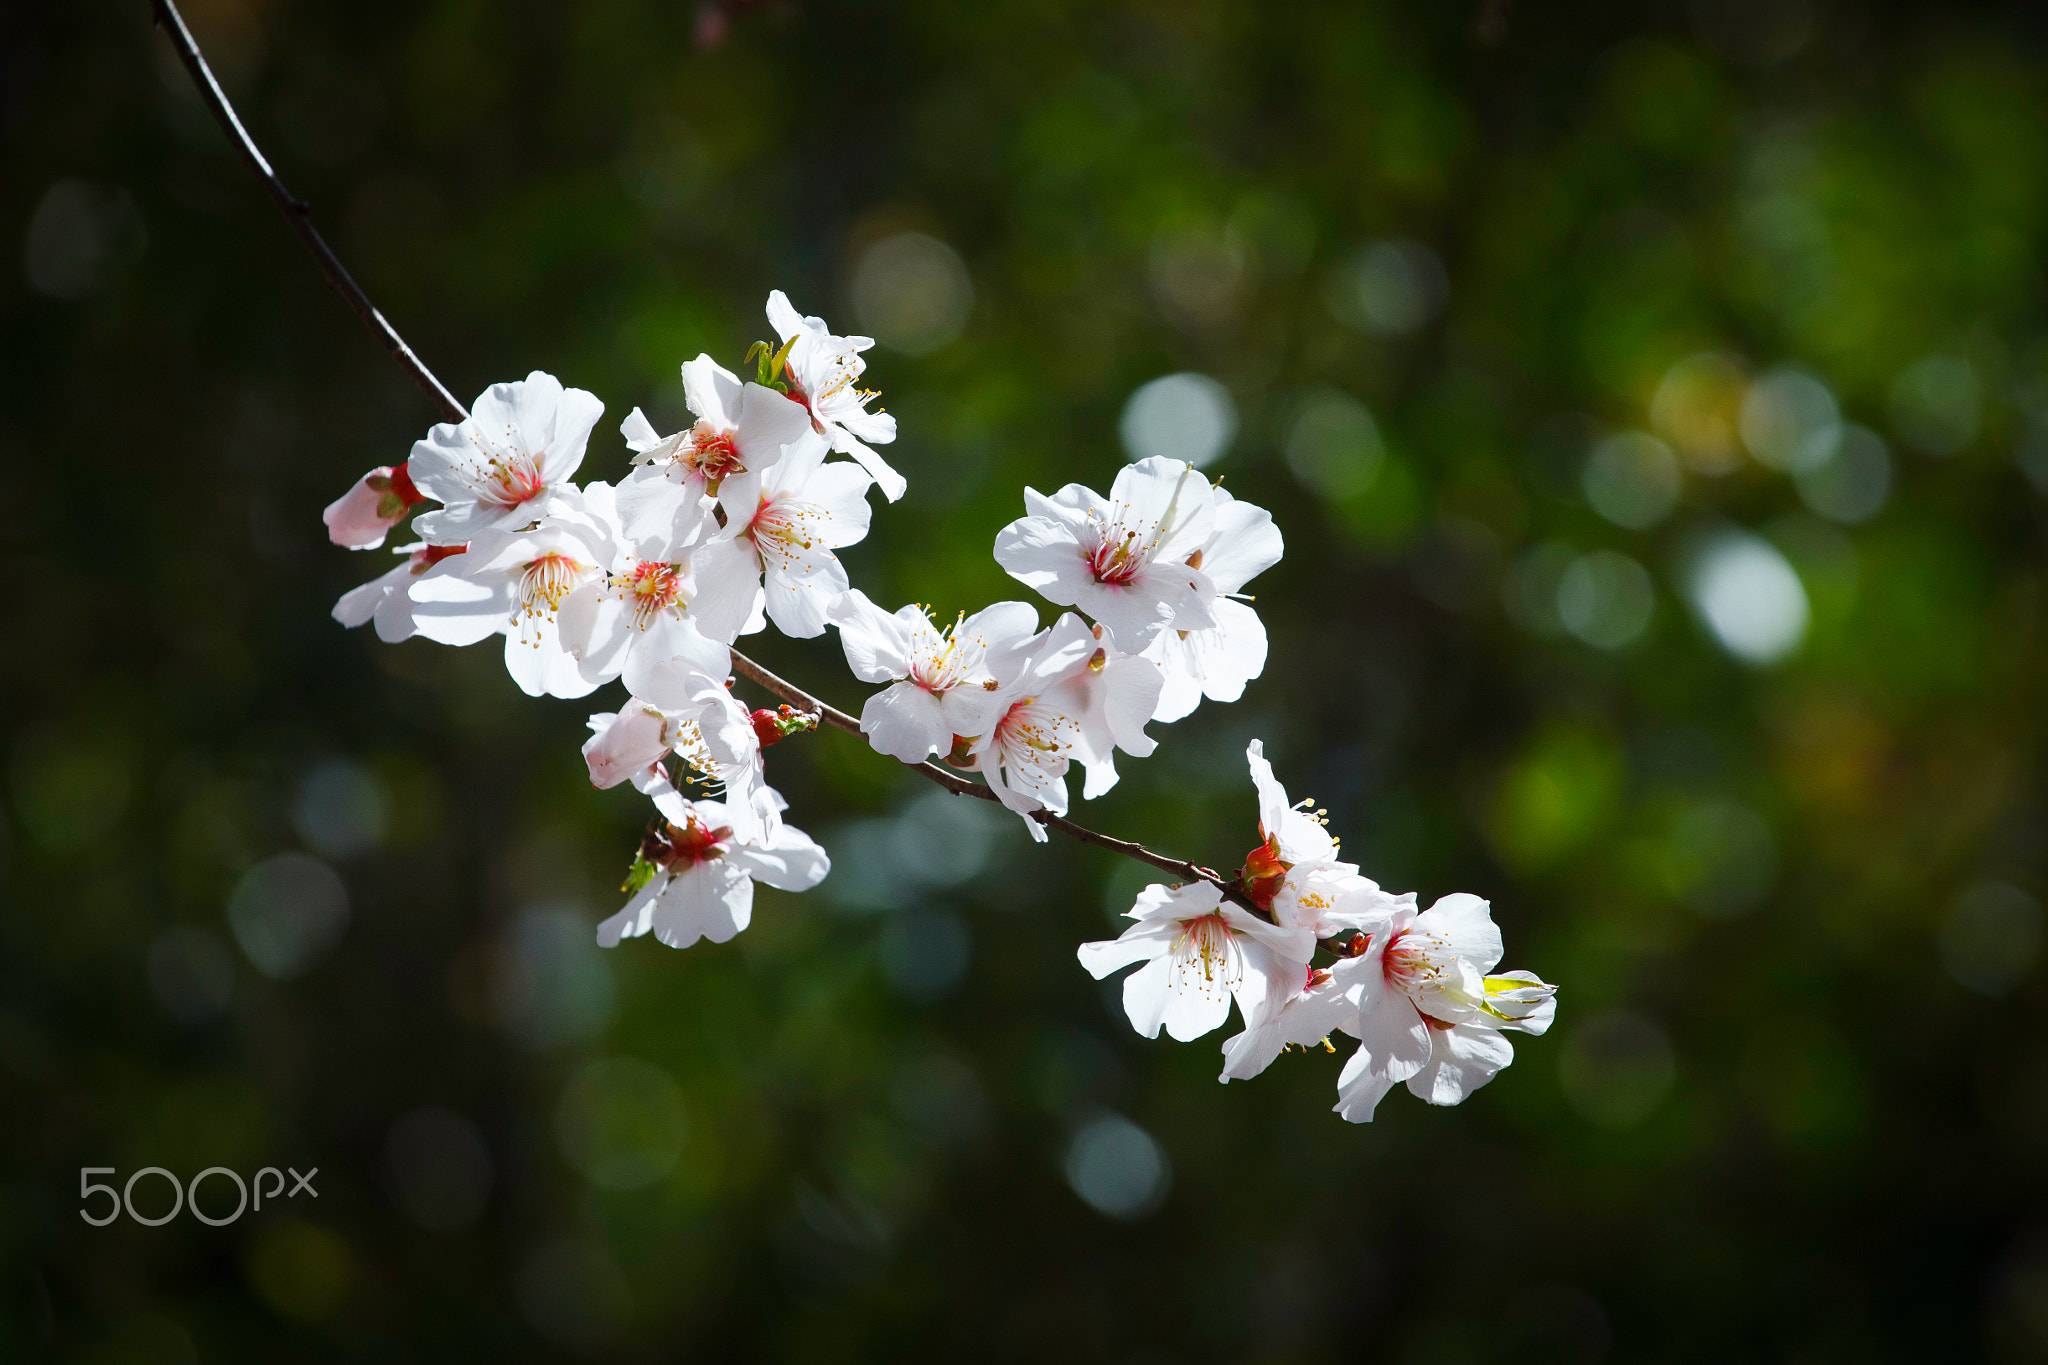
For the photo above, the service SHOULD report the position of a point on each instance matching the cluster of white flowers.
(731, 524)
(1418, 991)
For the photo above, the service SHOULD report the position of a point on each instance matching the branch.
(299, 216)
(960, 786)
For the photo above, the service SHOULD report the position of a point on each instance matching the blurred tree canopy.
(1655, 401)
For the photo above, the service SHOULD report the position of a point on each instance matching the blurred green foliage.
(1780, 850)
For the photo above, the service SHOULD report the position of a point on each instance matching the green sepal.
(641, 873)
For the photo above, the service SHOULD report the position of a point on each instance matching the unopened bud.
(1262, 874)
(772, 727)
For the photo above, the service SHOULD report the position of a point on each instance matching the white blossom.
(942, 684)
(804, 510)
(501, 467)
(740, 432)
(1431, 1008)
(703, 877)
(820, 370)
(642, 611)
(1218, 661)
(1199, 955)
(1295, 872)
(689, 711)
(1124, 559)
(1073, 698)
(513, 583)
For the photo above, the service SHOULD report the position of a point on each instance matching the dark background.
(1796, 1101)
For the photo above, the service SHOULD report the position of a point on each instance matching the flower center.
(681, 847)
(545, 582)
(1117, 560)
(655, 588)
(1119, 555)
(1409, 964)
(782, 527)
(1031, 733)
(711, 453)
(941, 670)
(1205, 955)
(510, 480)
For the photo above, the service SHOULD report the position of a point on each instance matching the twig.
(960, 786)
(298, 215)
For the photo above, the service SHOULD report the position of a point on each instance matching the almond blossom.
(1219, 661)
(1073, 698)
(820, 370)
(1199, 955)
(943, 684)
(699, 877)
(360, 518)
(514, 584)
(1431, 1009)
(501, 467)
(1295, 874)
(803, 511)
(640, 612)
(740, 432)
(1126, 559)
(387, 599)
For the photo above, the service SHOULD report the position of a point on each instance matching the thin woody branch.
(960, 786)
(298, 214)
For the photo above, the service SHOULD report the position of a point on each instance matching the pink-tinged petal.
(625, 744)
(358, 519)
(905, 722)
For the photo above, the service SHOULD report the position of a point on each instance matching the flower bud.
(360, 518)
(772, 727)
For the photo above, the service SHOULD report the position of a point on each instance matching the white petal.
(905, 722)
(1462, 1058)
(789, 861)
